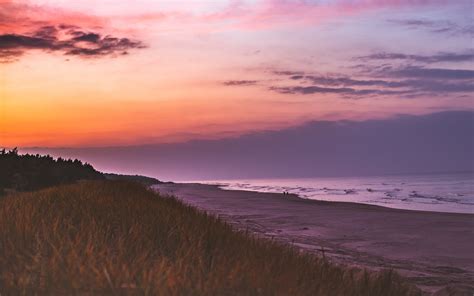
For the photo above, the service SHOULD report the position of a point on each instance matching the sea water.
(430, 192)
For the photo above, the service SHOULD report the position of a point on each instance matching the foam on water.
(436, 192)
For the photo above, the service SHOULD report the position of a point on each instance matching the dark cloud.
(46, 32)
(375, 78)
(442, 87)
(17, 42)
(286, 73)
(442, 27)
(436, 58)
(431, 73)
(408, 81)
(350, 92)
(297, 77)
(413, 23)
(310, 90)
(65, 39)
(87, 37)
(424, 82)
(239, 82)
(346, 81)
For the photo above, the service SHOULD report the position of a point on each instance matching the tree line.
(25, 172)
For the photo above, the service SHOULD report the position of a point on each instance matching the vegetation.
(116, 237)
(147, 181)
(30, 172)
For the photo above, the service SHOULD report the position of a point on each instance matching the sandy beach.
(433, 250)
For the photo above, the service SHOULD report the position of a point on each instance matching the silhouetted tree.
(30, 172)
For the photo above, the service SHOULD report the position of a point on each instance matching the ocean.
(434, 192)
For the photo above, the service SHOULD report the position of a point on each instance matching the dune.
(120, 238)
(433, 250)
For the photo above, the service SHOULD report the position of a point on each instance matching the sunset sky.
(97, 73)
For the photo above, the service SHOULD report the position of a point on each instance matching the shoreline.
(322, 202)
(431, 249)
(121, 238)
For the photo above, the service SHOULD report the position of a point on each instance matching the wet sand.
(433, 250)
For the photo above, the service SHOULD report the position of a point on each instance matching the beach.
(433, 250)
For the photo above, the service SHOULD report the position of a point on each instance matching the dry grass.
(106, 237)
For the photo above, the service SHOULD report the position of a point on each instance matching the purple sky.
(440, 142)
(101, 73)
(240, 88)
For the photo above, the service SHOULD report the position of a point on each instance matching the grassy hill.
(117, 237)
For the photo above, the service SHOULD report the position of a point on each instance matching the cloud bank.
(408, 80)
(24, 28)
(440, 142)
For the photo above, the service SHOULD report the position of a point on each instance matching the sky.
(407, 144)
(102, 73)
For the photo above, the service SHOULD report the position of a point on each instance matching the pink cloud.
(273, 13)
(25, 27)
(19, 17)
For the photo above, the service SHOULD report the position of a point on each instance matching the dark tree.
(30, 172)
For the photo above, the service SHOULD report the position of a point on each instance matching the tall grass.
(111, 237)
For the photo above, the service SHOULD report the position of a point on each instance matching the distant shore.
(433, 250)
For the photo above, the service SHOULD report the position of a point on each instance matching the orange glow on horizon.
(157, 72)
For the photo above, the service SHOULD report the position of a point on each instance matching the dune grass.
(115, 237)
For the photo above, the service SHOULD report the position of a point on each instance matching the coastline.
(431, 249)
(120, 238)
